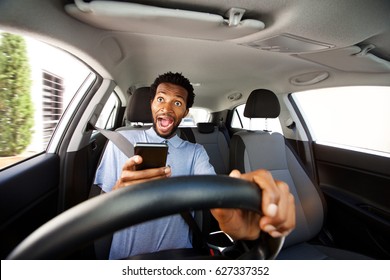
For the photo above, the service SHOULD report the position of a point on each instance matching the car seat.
(213, 140)
(138, 113)
(251, 150)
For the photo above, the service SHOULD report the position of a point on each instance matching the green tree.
(16, 108)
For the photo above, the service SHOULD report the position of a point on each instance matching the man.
(171, 97)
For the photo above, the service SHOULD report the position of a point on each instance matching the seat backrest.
(215, 144)
(251, 150)
(213, 140)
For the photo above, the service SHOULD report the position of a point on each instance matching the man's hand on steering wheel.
(278, 208)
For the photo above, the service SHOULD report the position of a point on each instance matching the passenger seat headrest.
(262, 103)
(138, 108)
(204, 127)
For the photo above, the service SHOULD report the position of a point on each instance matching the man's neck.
(172, 134)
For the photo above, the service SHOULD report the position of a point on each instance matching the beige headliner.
(223, 67)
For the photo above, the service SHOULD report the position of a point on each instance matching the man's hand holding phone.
(148, 163)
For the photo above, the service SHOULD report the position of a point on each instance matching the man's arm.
(278, 208)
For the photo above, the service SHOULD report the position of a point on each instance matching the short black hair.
(176, 79)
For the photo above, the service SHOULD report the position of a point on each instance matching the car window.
(109, 112)
(195, 115)
(355, 117)
(37, 83)
(239, 121)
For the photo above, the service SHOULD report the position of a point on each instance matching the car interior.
(252, 53)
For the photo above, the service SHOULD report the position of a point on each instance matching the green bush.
(16, 109)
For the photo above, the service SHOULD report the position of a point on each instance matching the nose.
(166, 107)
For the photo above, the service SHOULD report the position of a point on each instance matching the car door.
(29, 197)
(31, 191)
(352, 170)
(356, 186)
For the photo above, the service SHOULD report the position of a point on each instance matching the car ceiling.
(342, 42)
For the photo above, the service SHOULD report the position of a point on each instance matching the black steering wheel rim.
(116, 210)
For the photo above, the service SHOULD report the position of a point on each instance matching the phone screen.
(154, 155)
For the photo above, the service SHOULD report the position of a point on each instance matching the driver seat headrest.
(138, 108)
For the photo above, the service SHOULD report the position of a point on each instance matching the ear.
(186, 113)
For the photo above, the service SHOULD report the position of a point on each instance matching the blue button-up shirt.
(171, 232)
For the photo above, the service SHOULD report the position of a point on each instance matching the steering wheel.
(116, 210)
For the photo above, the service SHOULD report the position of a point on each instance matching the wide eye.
(178, 103)
(160, 99)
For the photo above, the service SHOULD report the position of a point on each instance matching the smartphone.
(154, 155)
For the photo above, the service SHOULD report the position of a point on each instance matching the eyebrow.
(176, 95)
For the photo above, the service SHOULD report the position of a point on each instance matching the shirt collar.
(152, 136)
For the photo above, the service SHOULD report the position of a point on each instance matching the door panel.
(357, 189)
(28, 198)
(80, 171)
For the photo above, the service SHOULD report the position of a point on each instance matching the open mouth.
(165, 124)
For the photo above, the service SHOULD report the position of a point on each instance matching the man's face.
(168, 108)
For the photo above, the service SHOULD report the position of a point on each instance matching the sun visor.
(144, 19)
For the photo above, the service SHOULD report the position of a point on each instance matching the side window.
(194, 116)
(354, 117)
(37, 83)
(239, 121)
(110, 110)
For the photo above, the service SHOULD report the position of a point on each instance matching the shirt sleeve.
(202, 164)
(109, 168)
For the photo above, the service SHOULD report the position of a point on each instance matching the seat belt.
(118, 139)
(222, 127)
(127, 148)
(198, 239)
(187, 134)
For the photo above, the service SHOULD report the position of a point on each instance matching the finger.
(270, 191)
(139, 181)
(284, 221)
(291, 220)
(281, 209)
(135, 177)
(235, 173)
(285, 228)
(151, 173)
(132, 162)
(283, 205)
